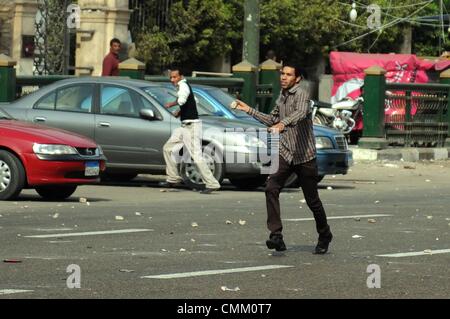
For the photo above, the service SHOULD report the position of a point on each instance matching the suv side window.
(76, 98)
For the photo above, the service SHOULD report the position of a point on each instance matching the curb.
(401, 154)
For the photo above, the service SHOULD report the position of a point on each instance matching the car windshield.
(4, 115)
(167, 95)
(225, 99)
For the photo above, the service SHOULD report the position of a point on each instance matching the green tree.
(200, 30)
(303, 30)
(197, 32)
(428, 34)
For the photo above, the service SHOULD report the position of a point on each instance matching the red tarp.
(348, 71)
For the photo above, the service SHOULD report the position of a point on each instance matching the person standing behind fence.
(189, 135)
(111, 60)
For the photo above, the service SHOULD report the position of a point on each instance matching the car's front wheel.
(12, 176)
(56, 192)
(191, 176)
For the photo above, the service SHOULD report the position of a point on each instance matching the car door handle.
(104, 124)
(39, 119)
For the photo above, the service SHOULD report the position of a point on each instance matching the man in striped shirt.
(291, 118)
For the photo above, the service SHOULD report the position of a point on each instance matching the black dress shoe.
(276, 242)
(323, 243)
(207, 191)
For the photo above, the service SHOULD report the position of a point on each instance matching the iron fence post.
(7, 78)
(133, 69)
(445, 79)
(270, 74)
(247, 71)
(374, 135)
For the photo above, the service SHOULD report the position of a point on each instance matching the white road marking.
(215, 272)
(93, 233)
(338, 217)
(13, 291)
(417, 253)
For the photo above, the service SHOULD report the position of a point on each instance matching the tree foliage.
(200, 30)
(197, 32)
(303, 30)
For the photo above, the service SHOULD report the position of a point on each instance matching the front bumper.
(60, 170)
(334, 162)
(329, 162)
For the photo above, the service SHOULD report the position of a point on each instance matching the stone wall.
(6, 14)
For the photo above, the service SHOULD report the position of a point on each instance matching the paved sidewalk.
(400, 154)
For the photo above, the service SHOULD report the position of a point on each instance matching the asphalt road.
(402, 208)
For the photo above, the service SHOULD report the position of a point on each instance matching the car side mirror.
(148, 115)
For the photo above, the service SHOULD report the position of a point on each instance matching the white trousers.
(188, 136)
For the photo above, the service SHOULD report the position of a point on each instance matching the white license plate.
(92, 169)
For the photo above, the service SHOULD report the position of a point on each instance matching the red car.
(52, 161)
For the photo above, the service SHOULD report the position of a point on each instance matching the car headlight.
(323, 142)
(236, 139)
(53, 149)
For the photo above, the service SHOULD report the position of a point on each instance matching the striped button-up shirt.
(297, 141)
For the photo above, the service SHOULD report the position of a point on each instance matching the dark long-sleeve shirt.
(111, 65)
(297, 141)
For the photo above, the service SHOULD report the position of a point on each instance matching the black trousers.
(308, 176)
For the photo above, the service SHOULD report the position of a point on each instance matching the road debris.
(372, 221)
(225, 288)
(138, 214)
(228, 222)
(242, 222)
(429, 217)
(182, 250)
(126, 270)
(120, 218)
(329, 188)
(55, 216)
(409, 167)
(428, 251)
(194, 224)
(303, 201)
(357, 236)
(377, 202)
(357, 219)
(12, 261)
(82, 200)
